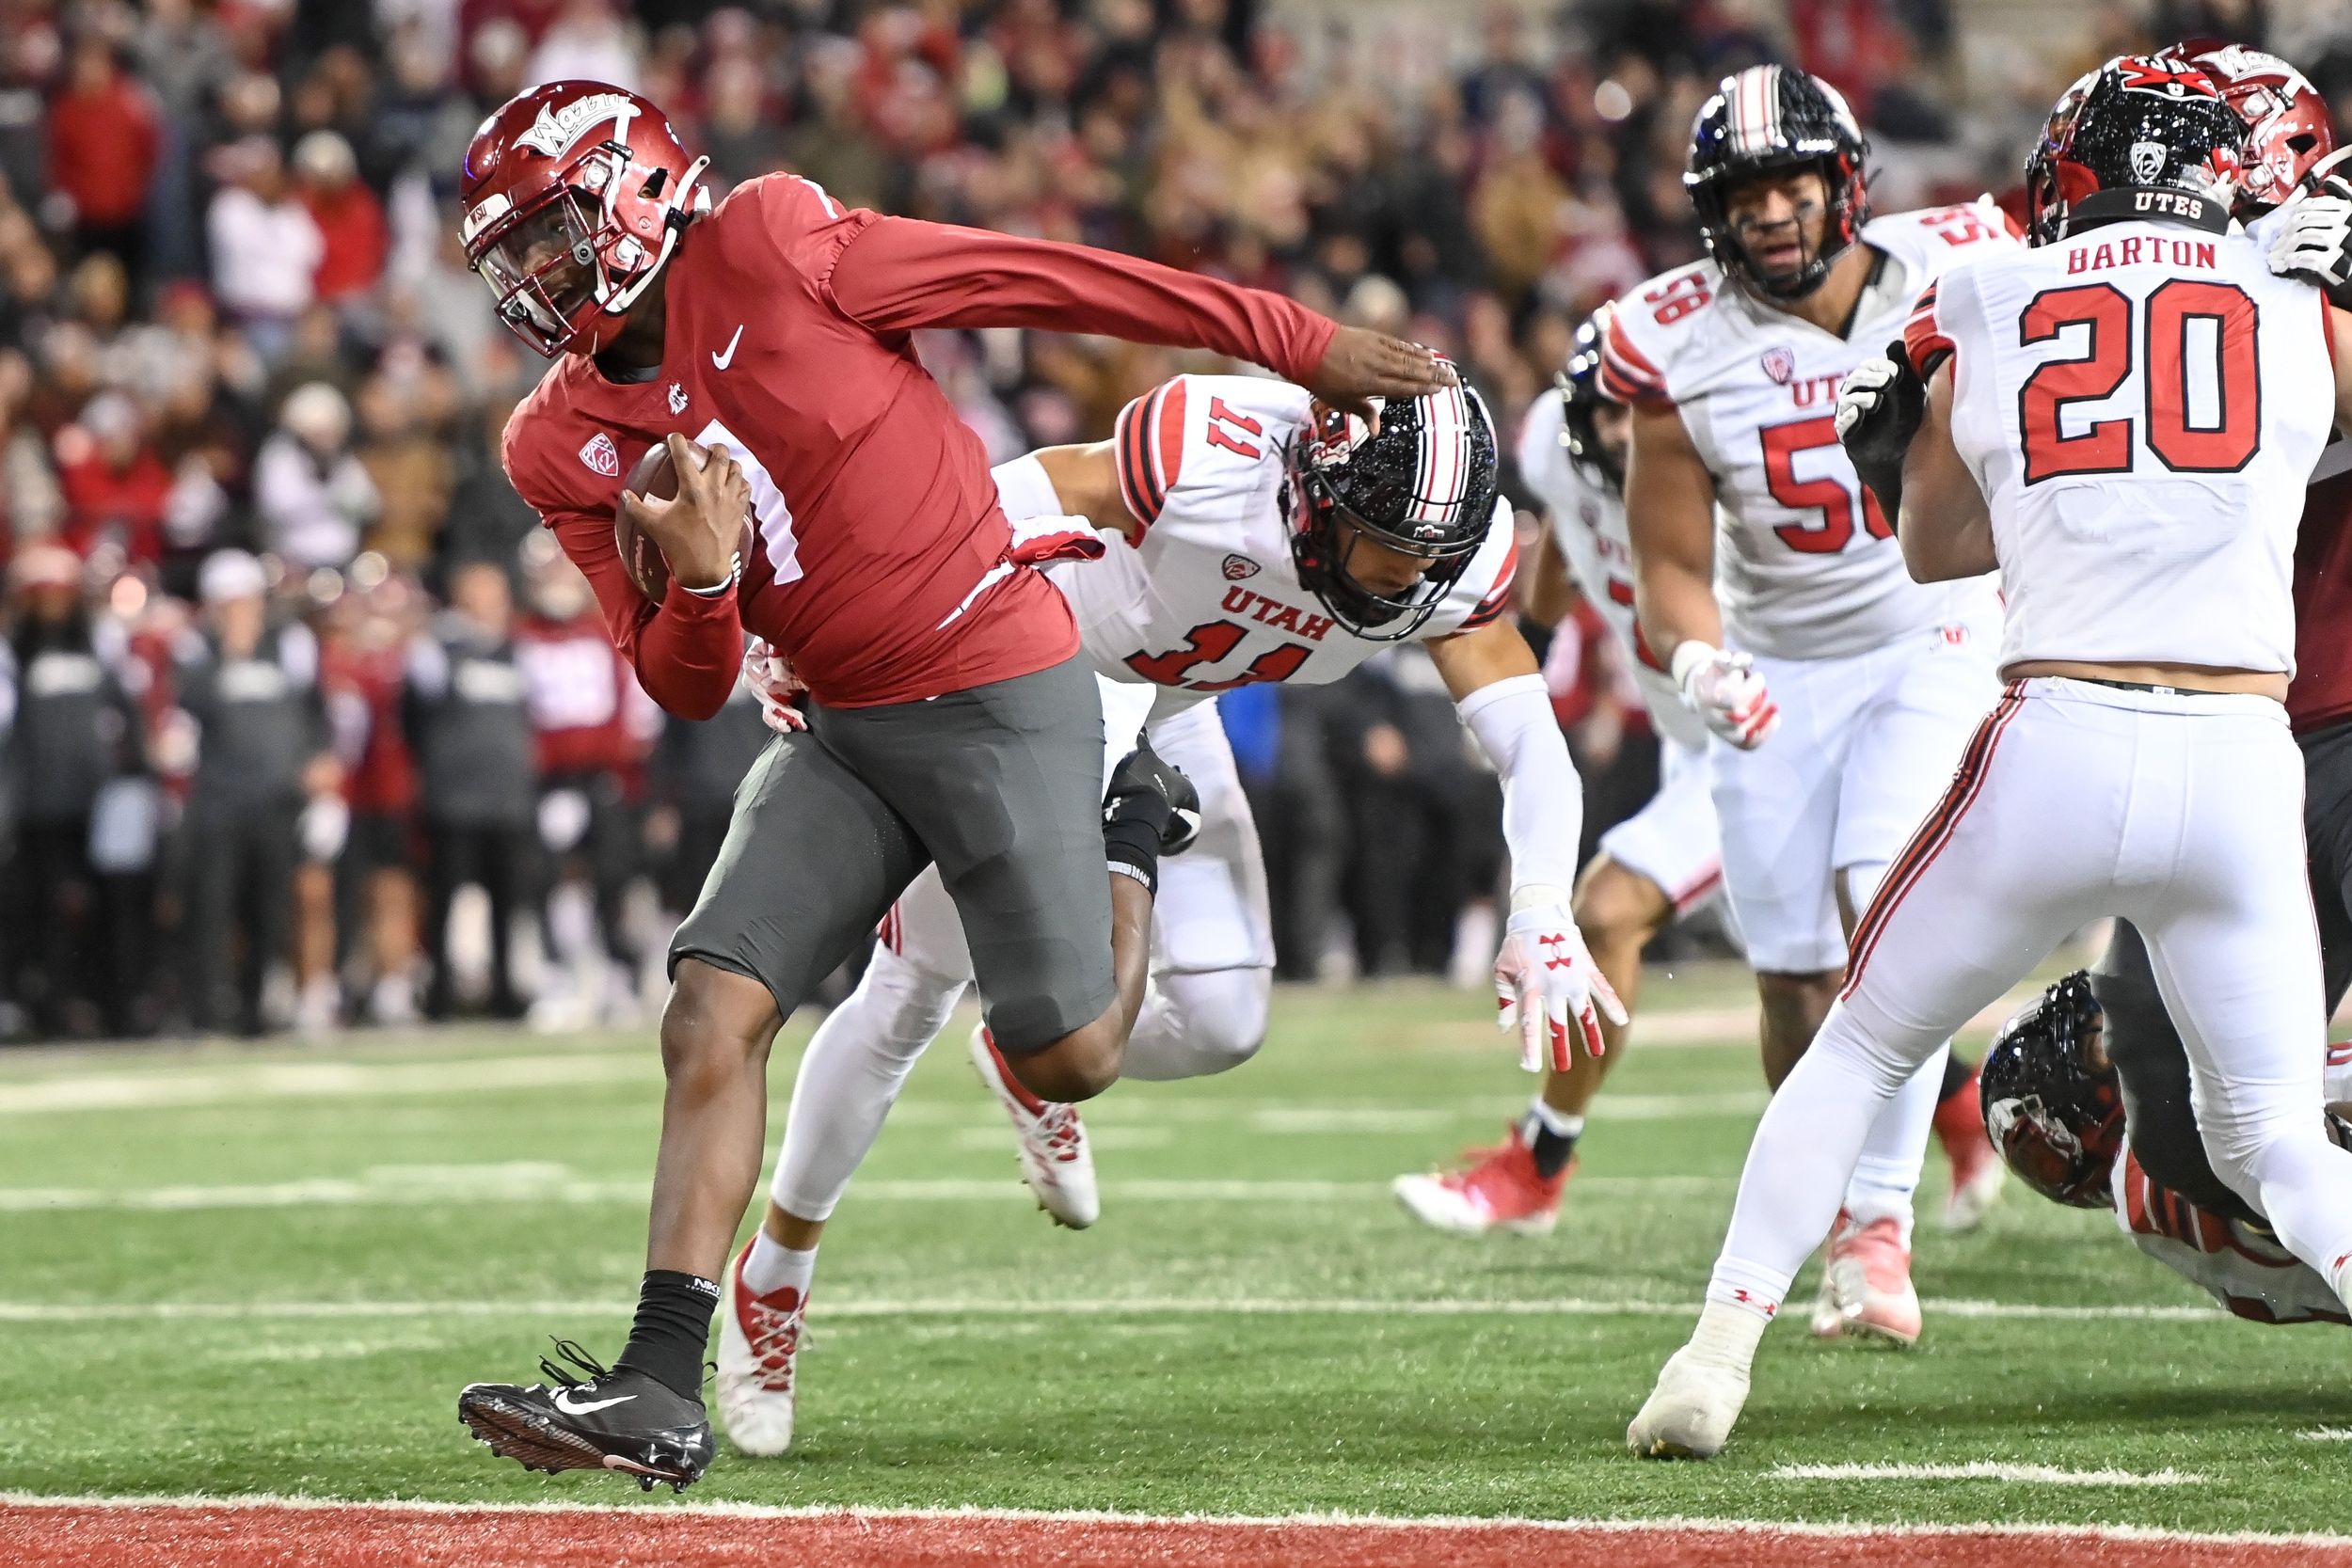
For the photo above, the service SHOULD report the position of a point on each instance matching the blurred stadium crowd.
(286, 674)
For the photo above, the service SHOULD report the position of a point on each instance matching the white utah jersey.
(2243, 1269)
(2141, 404)
(1207, 598)
(1587, 522)
(1807, 566)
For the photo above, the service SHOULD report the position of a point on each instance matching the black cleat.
(1146, 787)
(611, 1419)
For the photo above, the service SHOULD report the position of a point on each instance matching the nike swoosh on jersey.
(720, 361)
(565, 1402)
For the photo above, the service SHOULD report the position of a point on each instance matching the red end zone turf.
(228, 1535)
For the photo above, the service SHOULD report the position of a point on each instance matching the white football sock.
(1199, 1021)
(1727, 1334)
(850, 1074)
(772, 1267)
(1558, 1123)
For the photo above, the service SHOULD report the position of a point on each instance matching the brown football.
(653, 478)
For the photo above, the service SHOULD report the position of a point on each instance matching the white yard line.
(950, 1308)
(209, 1084)
(1676, 1525)
(1986, 1470)
(2327, 1434)
(431, 1186)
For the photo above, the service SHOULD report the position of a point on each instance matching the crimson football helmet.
(575, 194)
(2287, 129)
(2052, 1103)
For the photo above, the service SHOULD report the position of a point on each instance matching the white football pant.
(2179, 812)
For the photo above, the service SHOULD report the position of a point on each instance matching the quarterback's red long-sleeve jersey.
(2322, 693)
(881, 567)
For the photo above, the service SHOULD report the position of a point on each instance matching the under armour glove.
(1724, 689)
(1880, 405)
(1544, 978)
(1150, 809)
(770, 676)
(2314, 241)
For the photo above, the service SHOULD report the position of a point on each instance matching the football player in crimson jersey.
(766, 340)
(1253, 535)
(2137, 482)
(2086, 1118)
(1769, 585)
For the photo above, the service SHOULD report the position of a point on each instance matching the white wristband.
(1687, 656)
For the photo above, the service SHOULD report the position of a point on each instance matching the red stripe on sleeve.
(1131, 445)
(2327, 329)
(1498, 598)
(1925, 343)
(1626, 372)
(1168, 422)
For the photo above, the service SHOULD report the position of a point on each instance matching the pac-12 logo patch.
(677, 397)
(1238, 567)
(1779, 364)
(601, 455)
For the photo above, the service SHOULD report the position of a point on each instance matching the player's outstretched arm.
(1947, 532)
(1546, 983)
(899, 274)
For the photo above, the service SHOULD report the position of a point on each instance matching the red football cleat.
(1501, 1191)
(1977, 1168)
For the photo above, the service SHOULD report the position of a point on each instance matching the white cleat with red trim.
(759, 1340)
(1055, 1161)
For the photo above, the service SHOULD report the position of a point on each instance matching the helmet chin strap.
(691, 196)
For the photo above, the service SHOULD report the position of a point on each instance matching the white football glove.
(1545, 978)
(770, 676)
(2314, 240)
(1724, 689)
(1860, 395)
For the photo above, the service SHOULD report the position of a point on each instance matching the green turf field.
(270, 1271)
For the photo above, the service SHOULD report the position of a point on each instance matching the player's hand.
(1545, 982)
(1361, 364)
(1880, 405)
(2314, 241)
(1724, 689)
(770, 676)
(699, 531)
